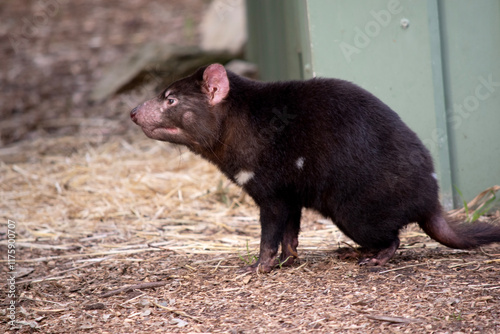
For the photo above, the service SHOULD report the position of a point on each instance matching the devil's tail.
(456, 234)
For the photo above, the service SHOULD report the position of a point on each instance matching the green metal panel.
(470, 33)
(278, 39)
(417, 56)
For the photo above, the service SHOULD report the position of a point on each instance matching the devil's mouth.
(165, 133)
(169, 134)
(172, 130)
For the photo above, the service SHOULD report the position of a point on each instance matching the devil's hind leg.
(379, 240)
(379, 257)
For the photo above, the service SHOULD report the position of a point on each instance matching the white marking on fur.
(434, 175)
(300, 162)
(243, 177)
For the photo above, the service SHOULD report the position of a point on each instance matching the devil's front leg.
(274, 216)
(290, 239)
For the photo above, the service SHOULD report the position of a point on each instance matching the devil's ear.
(215, 83)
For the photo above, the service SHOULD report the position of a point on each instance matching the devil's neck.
(236, 147)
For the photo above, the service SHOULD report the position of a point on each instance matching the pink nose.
(133, 114)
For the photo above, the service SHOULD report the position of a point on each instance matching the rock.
(242, 68)
(223, 37)
(161, 63)
(223, 27)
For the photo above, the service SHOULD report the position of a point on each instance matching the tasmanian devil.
(324, 144)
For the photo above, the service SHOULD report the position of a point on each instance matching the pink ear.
(216, 83)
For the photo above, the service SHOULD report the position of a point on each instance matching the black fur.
(361, 165)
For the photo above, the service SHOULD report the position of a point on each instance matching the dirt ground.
(116, 233)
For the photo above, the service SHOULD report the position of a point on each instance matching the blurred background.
(54, 52)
